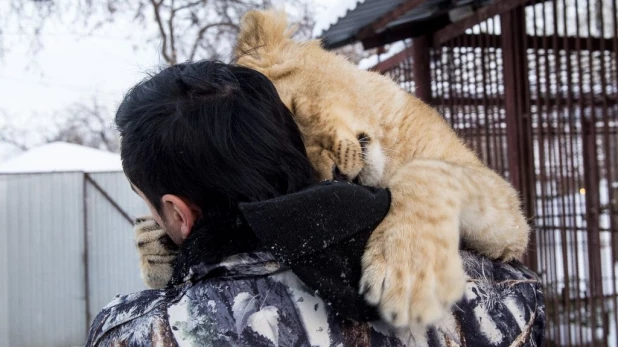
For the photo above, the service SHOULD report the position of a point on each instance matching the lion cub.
(364, 126)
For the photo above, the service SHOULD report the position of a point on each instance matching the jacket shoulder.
(126, 309)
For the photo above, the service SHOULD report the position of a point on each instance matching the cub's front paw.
(156, 252)
(337, 156)
(413, 282)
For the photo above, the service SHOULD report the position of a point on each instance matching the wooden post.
(421, 68)
(517, 108)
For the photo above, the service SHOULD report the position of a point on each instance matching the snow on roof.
(373, 60)
(338, 9)
(62, 156)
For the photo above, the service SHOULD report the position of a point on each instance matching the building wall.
(43, 220)
(4, 261)
(42, 230)
(112, 259)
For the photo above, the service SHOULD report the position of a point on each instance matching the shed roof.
(341, 24)
(62, 156)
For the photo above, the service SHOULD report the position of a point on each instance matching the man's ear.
(184, 213)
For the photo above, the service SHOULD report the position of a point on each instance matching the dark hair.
(212, 133)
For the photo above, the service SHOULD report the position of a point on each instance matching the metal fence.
(65, 252)
(533, 89)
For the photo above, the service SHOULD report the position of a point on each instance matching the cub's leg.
(411, 268)
(492, 222)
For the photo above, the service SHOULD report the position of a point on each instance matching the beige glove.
(156, 252)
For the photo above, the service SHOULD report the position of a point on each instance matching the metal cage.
(533, 90)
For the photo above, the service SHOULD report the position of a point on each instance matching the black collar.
(210, 241)
(319, 232)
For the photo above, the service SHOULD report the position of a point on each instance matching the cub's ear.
(263, 31)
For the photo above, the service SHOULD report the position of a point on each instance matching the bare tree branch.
(202, 31)
(8, 133)
(11, 141)
(188, 5)
(87, 124)
(185, 29)
(156, 7)
(170, 26)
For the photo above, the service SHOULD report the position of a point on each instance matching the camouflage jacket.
(251, 300)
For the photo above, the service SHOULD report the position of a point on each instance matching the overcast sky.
(70, 68)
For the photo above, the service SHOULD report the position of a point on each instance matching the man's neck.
(210, 241)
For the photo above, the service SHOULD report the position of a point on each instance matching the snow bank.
(61, 156)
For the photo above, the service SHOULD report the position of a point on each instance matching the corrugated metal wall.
(44, 276)
(4, 268)
(112, 260)
(42, 250)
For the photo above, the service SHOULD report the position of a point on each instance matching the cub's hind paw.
(512, 252)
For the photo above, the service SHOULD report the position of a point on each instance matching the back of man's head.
(212, 133)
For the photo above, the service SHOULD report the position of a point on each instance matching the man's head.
(198, 138)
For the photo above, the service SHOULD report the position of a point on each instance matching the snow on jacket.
(250, 300)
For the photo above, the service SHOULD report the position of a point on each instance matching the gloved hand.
(156, 252)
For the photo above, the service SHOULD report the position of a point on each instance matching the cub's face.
(341, 139)
(338, 125)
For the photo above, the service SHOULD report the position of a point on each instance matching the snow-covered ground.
(550, 213)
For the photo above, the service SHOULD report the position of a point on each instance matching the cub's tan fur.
(441, 191)
(155, 259)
